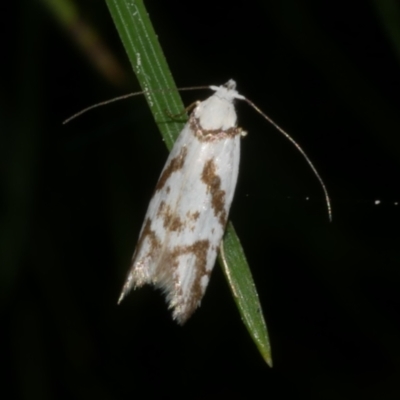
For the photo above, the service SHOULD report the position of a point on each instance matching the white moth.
(186, 218)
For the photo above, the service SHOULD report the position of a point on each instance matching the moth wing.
(186, 219)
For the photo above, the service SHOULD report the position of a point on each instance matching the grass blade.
(238, 274)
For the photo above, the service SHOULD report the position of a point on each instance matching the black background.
(73, 198)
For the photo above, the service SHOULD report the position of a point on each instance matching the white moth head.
(218, 111)
(227, 91)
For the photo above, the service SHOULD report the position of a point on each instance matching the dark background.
(73, 199)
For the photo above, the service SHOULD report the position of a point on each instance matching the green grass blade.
(238, 274)
(151, 69)
(149, 65)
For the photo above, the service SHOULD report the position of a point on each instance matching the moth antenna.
(103, 103)
(126, 96)
(302, 152)
(183, 89)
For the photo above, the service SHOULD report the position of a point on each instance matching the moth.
(187, 215)
(186, 218)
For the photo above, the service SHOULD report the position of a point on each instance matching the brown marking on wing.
(213, 182)
(192, 218)
(175, 165)
(195, 216)
(169, 279)
(161, 209)
(199, 249)
(210, 135)
(136, 275)
(171, 221)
